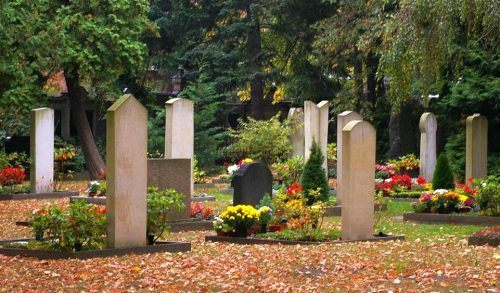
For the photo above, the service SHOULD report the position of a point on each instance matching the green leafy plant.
(442, 178)
(266, 140)
(82, 227)
(488, 195)
(289, 171)
(313, 179)
(198, 174)
(159, 204)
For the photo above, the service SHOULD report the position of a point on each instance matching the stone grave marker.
(126, 157)
(428, 127)
(251, 182)
(42, 150)
(342, 120)
(316, 128)
(358, 147)
(476, 150)
(297, 137)
(172, 173)
(179, 132)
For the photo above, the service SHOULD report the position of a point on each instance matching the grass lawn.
(432, 258)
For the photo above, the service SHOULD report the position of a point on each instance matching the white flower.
(231, 169)
(35, 211)
(440, 191)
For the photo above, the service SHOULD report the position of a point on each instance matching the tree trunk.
(258, 105)
(372, 62)
(77, 95)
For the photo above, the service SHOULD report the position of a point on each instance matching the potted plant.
(240, 218)
(265, 215)
(93, 188)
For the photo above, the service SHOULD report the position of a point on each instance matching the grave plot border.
(164, 246)
(200, 198)
(250, 241)
(426, 218)
(45, 195)
(204, 185)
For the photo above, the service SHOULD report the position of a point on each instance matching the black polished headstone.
(251, 182)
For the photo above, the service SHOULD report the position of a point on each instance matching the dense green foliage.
(488, 195)
(313, 179)
(265, 140)
(443, 177)
(160, 204)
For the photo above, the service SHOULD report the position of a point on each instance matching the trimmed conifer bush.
(443, 177)
(314, 177)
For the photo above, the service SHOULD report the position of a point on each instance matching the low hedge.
(408, 194)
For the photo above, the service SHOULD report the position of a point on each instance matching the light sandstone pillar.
(126, 158)
(179, 132)
(342, 120)
(476, 150)
(428, 127)
(42, 150)
(316, 128)
(358, 147)
(297, 138)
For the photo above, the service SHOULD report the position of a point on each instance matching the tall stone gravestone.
(316, 128)
(251, 182)
(342, 120)
(428, 127)
(358, 147)
(126, 157)
(179, 132)
(172, 173)
(297, 138)
(476, 150)
(42, 150)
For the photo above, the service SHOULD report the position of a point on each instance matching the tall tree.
(93, 43)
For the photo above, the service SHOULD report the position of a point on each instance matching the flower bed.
(460, 219)
(171, 247)
(486, 237)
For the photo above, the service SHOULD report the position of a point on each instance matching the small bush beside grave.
(489, 237)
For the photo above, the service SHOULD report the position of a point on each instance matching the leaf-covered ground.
(433, 258)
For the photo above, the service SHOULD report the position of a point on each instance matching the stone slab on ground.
(47, 195)
(221, 181)
(171, 247)
(203, 198)
(95, 200)
(451, 219)
(243, 240)
(204, 185)
(226, 190)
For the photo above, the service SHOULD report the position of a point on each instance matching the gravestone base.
(170, 246)
(46, 195)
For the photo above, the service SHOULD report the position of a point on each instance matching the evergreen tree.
(443, 177)
(314, 177)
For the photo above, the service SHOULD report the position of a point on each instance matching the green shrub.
(488, 195)
(266, 140)
(443, 177)
(455, 152)
(289, 171)
(82, 227)
(159, 204)
(313, 179)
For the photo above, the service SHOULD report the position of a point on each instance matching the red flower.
(421, 181)
(12, 175)
(294, 189)
(226, 164)
(470, 179)
(101, 210)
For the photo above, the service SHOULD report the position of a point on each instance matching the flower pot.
(274, 228)
(92, 194)
(263, 228)
(240, 232)
(151, 239)
(222, 233)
